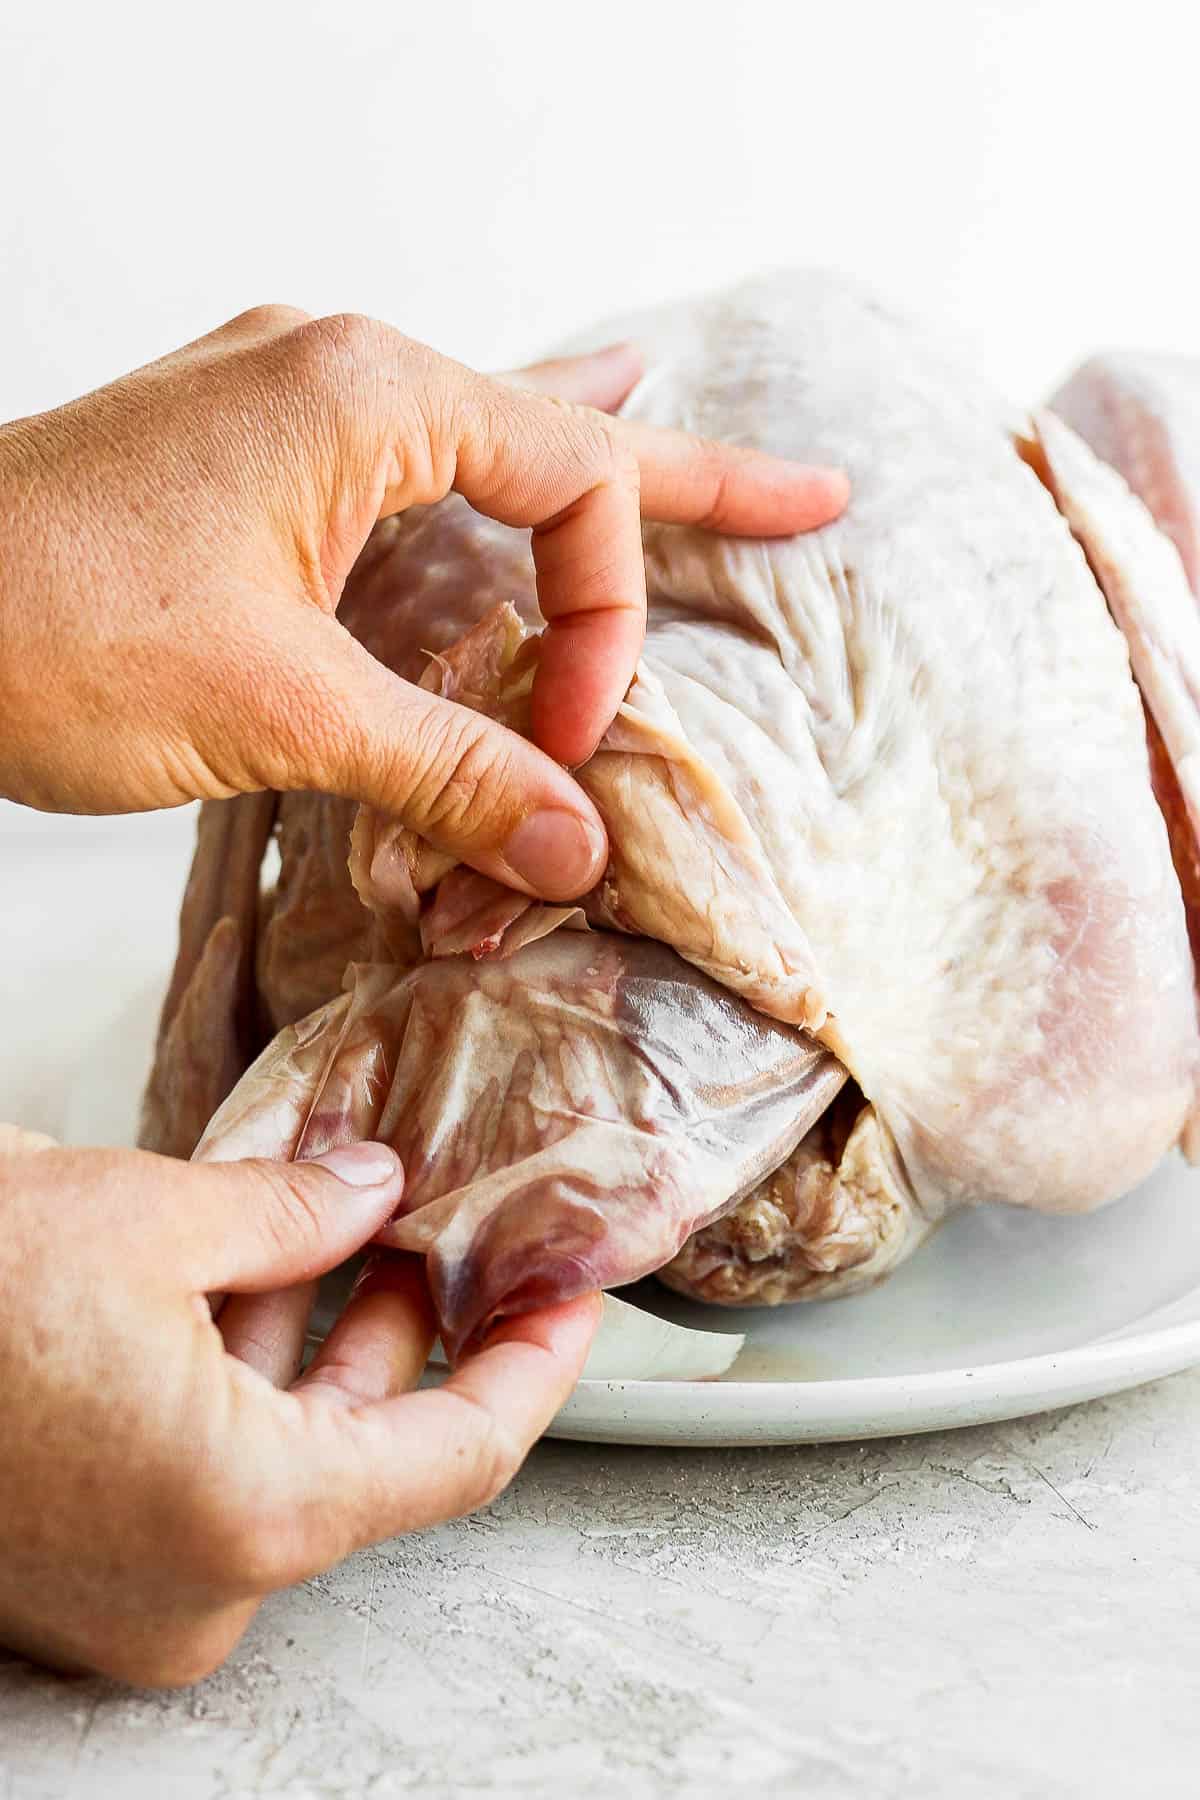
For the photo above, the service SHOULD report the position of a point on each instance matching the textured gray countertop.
(1008, 1611)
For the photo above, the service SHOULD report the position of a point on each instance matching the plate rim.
(874, 1406)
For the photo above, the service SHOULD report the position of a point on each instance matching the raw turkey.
(893, 920)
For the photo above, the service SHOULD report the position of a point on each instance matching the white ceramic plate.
(1002, 1314)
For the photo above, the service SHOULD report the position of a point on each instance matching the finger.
(471, 787)
(226, 1227)
(453, 1448)
(267, 1331)
(528, 460)
(591, 579)
(252, 1227)
(601, 378)
(381, 1343)
(357, 1475)
(591, 582)
(418, 424)
(745, 493)
(582, 483)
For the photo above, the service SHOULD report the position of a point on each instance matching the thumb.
(470, 786)
(255, 1226)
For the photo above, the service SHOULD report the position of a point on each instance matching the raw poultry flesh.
(883, 792)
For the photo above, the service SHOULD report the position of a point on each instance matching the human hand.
(162, 1473)
(175, 546)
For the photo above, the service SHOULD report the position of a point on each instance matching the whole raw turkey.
(894, 919)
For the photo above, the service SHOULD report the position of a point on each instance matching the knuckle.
(351, 378)
(464, 766)
(270, 319)
(495, 412)
(338, 349)
(716, 515)
(585, 435)
(606, 456)
(544, 429)
(293, 1217)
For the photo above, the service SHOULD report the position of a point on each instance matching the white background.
(490, 176)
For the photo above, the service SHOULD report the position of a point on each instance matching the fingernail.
(558, 854)
(360, 1165)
